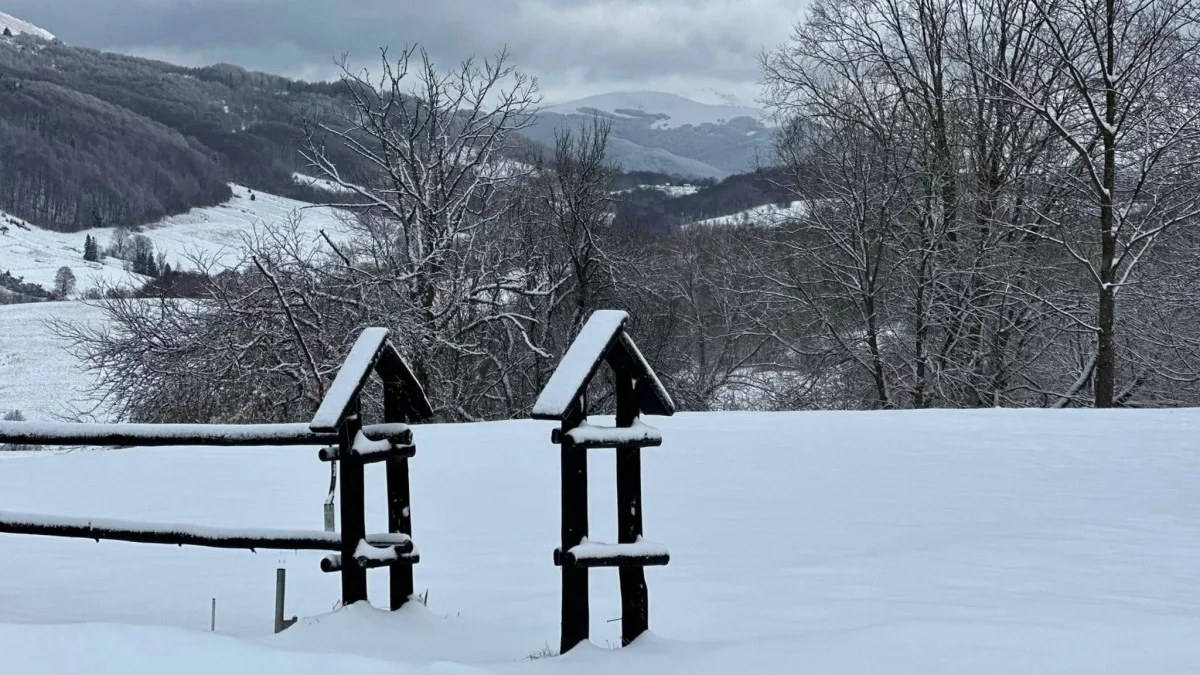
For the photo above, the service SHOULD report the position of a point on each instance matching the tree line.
(1000, 212)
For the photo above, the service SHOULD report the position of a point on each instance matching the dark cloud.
(573, 46)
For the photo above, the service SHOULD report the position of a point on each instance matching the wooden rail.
(160, 435)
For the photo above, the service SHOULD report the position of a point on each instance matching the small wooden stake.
(212, 626)
(280, 589)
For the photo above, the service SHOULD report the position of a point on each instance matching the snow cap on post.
(372, 351)
(602, 338)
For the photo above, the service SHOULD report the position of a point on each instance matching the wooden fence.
(337, 425)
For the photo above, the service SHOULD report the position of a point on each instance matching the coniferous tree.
(91, 250)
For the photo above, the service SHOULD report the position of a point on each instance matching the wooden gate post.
(400, 586)
(575, 610)
(564, 399)
(635, 610)
(353, 506)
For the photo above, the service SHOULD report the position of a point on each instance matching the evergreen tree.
(7, 32)
(91, 250)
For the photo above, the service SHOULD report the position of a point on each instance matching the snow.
(37, 377)
(923, 542)
(214, 233)
(680, 111)
(322, 183)
(124, 529)
(19, 27)
(591, 550)
(902, 542)
(579, 362)
(381, 554)
(350, 378)
(669, 190)
(638, 433)
(766, 215)
(365, 447)
(159, 434)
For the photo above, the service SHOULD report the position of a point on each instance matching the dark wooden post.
(575, 628)
(635, 610)
(395, 402)
(353, 507)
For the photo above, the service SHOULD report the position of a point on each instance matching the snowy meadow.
(897, 542)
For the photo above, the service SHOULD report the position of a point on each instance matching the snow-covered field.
(669, 190)
(895, 542)
(37, 376)
(215, 232)
(767, 215)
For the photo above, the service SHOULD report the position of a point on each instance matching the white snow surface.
(680, 111)
(322, 183)
(587, 348)
(919, 542)
(638, 431)
(589, 549)
(37, 375)
(669, 190)
(350, 377)
(215, 233)
(20, 27)
(899, 542)
(766, 215)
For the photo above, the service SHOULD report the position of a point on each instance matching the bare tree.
(1115, 84)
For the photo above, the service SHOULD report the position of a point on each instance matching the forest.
(91, 138)
(1001, 211)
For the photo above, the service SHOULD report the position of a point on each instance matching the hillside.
(89, 138)
(16, 26)
(215, 233)
(931, 542)
(654, 131)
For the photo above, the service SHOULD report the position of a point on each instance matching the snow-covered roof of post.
(372, 351)
(602, 335)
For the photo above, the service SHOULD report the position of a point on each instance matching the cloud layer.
(575, 47)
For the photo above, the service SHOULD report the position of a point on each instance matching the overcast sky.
(574, 47)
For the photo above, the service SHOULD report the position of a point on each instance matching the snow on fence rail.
(338, 423)
(178, 534)
(158, 435)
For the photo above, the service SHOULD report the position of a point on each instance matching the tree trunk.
(1106, 360)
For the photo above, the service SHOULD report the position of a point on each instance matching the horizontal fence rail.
(158, 435)
(187, 535)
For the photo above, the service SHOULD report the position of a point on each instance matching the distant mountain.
(665, 111)
(655, 131)
(18, 27)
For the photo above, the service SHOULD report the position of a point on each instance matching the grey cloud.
(571, 45)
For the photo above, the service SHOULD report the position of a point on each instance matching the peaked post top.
(372, 351)
(601, 336)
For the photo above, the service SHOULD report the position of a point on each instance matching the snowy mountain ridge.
(670, 110)
(19, 27)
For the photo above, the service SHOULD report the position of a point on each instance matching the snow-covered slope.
(18, 27)
(214, 232)
(927, 542)
(37, 375)
(675, 110)
(767, 215)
